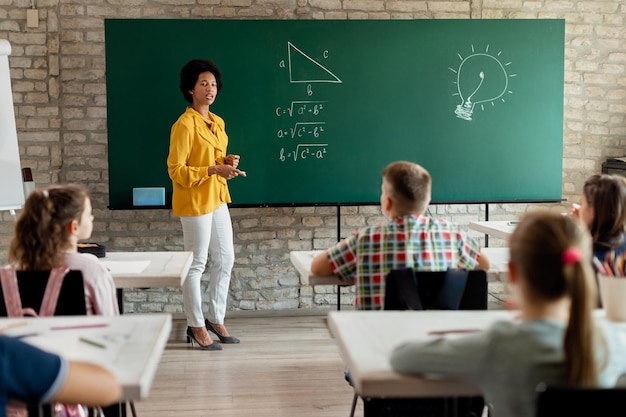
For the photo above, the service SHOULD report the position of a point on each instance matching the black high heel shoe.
(192, 338)
(223, 339)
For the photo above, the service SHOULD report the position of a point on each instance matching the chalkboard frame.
(233, 93)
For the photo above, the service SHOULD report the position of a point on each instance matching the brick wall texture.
(59, 91)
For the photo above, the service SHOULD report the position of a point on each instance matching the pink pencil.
(441, 332)
(79, 326)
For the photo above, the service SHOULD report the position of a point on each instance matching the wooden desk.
(301, 260)
(133, 344)
(163, 269)
(367, 338)
(499, 229)
(499, 259)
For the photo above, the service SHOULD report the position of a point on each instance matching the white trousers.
(209, 234)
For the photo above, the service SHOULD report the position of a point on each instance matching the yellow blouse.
(197, 143)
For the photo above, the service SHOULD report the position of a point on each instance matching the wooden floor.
(284, 366)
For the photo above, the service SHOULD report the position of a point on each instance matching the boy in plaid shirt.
(408, 239)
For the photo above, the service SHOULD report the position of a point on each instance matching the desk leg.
(120, 299)
(338, 239)
(486, 219)
(338, 297)
(115, 410)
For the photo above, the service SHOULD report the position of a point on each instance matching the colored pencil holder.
(613, 296)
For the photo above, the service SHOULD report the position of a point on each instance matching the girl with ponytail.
(556, 341)
(47, 233)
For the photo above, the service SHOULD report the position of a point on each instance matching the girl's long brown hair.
(606, 194)
(537, 247)
(41, 232)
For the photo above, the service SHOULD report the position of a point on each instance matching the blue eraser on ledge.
(149, 196)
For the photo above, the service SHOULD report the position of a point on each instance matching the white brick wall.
(58, 76)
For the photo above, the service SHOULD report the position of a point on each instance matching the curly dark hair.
(190, 72)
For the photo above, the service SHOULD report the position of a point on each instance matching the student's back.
(100, 292)
(555, 342)
(508, 362)
(411, 241)
(408, 239)
(46, 236)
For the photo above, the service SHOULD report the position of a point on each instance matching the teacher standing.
(199, 167)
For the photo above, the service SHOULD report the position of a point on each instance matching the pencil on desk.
(441, 332)
(92, 342)
(609, 263)
(79, 326)
(25, 335)
(619, 265)
(13, 325)
(598, 265)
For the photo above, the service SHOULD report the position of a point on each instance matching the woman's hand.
(232, 160)
(226, 171)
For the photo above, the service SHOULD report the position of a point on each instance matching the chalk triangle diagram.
(304, 69)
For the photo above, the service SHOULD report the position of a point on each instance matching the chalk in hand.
(242, 173)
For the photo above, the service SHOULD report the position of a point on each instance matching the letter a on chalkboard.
(304, 69)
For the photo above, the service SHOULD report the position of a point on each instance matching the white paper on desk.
(67, 343)
(126, 267)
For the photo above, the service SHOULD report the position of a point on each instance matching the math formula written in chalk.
(301, 119)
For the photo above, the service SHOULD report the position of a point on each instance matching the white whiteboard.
(11, 188)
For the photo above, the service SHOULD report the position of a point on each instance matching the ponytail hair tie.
(571, 256)
(45, 193)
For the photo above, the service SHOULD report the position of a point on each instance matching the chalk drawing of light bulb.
(481, 78)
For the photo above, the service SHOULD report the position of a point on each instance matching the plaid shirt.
(408, 241)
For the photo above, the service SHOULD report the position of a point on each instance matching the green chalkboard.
(316, 109)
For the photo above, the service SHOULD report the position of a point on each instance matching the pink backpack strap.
(10, 292)
(53, 288)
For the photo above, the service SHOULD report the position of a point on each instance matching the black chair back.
(71, 302)
(568, 401)
(32, 285)
(408, 289)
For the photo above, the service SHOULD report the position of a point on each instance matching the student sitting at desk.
(46, 236)
(34, 376)
(556, 342)
(408, 239)
(603, 209)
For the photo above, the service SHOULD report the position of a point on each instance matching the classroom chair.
(32, 285)
(573, 401)
(70, 302)
(454, 289)
(408, 289)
